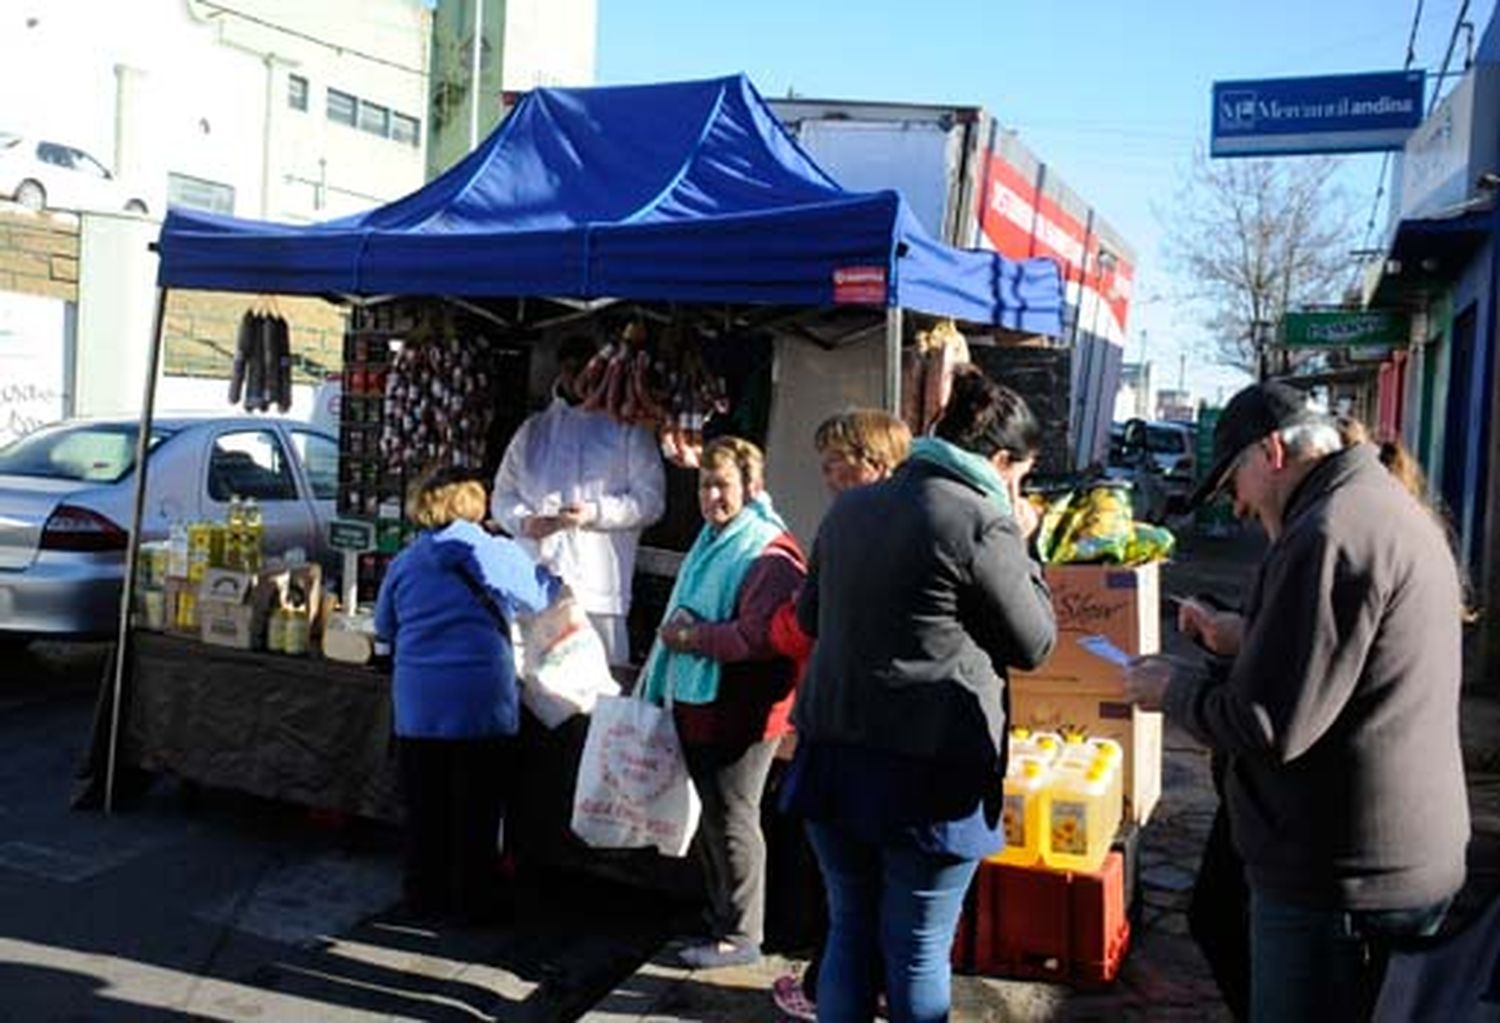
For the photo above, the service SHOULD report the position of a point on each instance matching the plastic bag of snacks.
(1094, 525)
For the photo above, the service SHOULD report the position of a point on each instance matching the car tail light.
(70, 528)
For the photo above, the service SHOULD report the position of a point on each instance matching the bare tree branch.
(1251, 239)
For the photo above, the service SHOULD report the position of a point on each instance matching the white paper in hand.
(1101, 647)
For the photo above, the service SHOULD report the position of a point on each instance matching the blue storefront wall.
(1462, 475)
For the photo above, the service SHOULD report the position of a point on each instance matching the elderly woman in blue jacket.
(441, 607)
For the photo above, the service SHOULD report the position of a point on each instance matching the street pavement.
(203, 905)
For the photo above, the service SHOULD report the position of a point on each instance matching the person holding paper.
(920, 596)
(1339, 713)
(576, 488)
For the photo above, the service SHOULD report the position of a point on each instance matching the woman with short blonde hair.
(443, 607)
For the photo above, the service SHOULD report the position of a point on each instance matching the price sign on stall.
(344, 535)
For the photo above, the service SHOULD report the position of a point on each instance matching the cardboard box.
(1097, 708)
(232, 609)
(1121, 604)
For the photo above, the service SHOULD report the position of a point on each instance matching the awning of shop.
(687, 191)
(1429, 253)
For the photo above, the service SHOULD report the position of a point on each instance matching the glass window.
(320, 460)
(95, 453)
(296, 92)
(86, 163)
(406, 130)
(198, 194)
(341, 107)
(374, 119)
(1161, 440)
(251, 463)
(51, 152)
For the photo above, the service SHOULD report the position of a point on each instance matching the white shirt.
(564, 455)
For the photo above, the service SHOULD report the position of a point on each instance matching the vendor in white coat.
(577, 488)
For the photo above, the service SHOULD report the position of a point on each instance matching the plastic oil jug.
(1078, 826)
(234, 535)
(1023, 811)
(1110, 752)
(1048, 745)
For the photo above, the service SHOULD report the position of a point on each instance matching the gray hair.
(1311, 440)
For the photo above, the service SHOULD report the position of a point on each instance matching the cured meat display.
(262, 372)
(665, 385)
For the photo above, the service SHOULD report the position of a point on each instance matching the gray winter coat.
(920, 594)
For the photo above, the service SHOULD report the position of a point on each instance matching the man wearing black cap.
(1339, 714)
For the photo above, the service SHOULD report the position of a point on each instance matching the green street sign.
(344, 535)
(1345, 329)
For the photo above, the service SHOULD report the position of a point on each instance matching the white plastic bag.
(564, 667)
(633, 785)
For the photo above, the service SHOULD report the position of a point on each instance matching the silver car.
(66, 494)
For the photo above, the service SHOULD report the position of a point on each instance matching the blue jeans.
(1324, 964)
(893, 904)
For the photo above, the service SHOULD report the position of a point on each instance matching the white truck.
(973, 184)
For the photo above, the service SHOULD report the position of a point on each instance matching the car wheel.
(31, 195)
(135, 206)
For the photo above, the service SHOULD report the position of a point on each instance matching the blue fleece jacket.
(455, 674)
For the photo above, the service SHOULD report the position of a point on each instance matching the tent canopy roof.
(684, 191)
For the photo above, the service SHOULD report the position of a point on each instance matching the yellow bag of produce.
(1101, 531)
(1149, 543)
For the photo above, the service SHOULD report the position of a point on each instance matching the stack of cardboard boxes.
(1087, 928)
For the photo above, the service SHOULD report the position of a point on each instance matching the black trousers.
(1219, 916)
(455, 791)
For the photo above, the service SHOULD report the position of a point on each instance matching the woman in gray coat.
(920, 595)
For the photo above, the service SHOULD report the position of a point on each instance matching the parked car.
(67, 493)
(42, 174)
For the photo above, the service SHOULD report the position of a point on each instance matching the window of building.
(406, 130)
(374, 118)
(199, 194)
(341, 107)
(296, 92)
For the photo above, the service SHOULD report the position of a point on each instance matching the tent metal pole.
(893, 360)
(127, 593)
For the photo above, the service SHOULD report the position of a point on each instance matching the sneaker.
(791, 1000)
(714, 954)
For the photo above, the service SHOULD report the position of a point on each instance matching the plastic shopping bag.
(564, 667)
(633, 785)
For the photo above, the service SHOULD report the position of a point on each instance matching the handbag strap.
(485, 600)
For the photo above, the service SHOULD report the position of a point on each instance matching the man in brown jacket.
(1339, 715)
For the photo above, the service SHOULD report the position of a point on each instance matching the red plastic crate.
(1038, 924)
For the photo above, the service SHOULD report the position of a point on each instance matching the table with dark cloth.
(300, 729)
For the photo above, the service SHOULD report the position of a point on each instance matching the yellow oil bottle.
(1078, 828)
(1023, 811)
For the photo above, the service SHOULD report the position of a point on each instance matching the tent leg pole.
(893, 360)
(127, 593)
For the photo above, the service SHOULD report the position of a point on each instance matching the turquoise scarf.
(981, 472)
(708, 584)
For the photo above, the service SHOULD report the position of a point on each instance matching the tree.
(1251, 239)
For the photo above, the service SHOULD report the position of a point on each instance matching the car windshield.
(88, 453)
(1161, 440)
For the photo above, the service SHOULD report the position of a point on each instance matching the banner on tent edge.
(859, 285)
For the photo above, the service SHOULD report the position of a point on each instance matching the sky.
(1113, 94)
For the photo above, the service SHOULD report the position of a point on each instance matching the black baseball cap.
(1251, 415)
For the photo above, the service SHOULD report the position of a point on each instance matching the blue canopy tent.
(686, 191)
(676, 192)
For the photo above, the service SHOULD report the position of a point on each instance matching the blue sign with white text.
(1331, 114)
